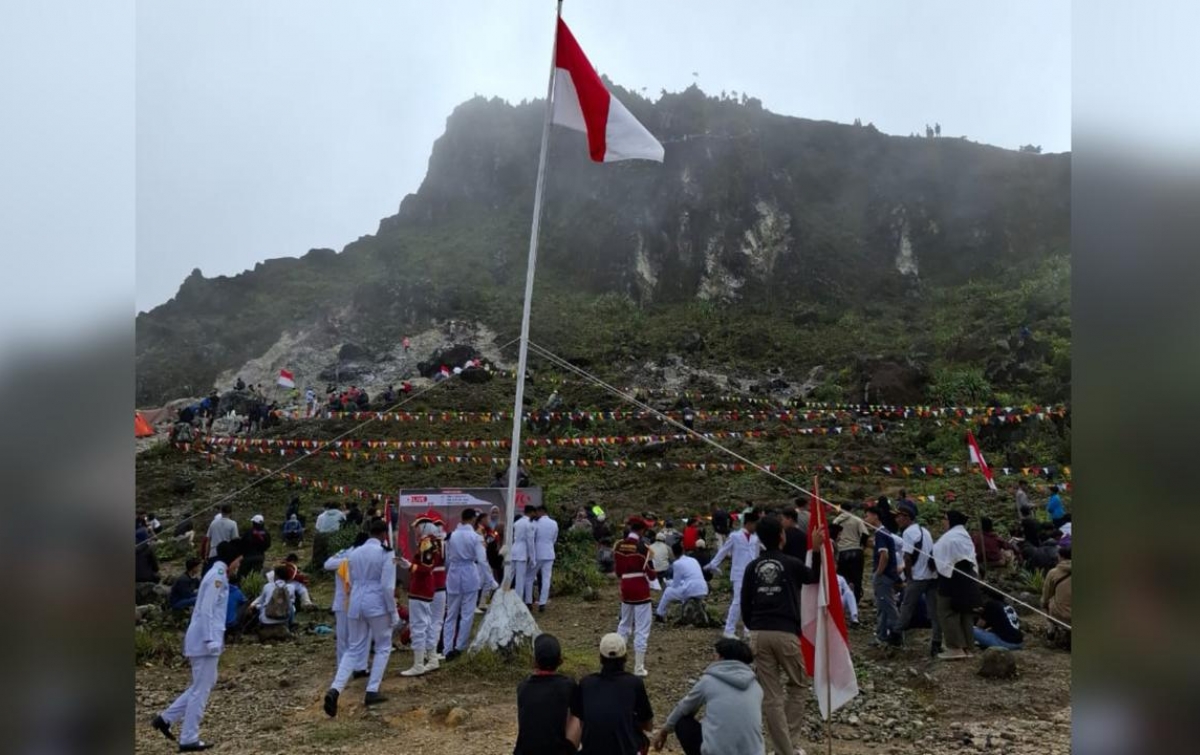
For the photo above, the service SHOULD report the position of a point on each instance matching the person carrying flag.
(422, 588)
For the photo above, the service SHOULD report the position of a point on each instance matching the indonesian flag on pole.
(286, 379)
(581, 102)
(977, 458)
(824, 641)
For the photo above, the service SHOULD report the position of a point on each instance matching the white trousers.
(545, 568)
(523, 574)
(420, 617)
(460, 619)
(363, 632)
(636, 620)
(437, 617)
(675, 594)
(190, 705)
(735, 610)
(850, 605)
(342, 634)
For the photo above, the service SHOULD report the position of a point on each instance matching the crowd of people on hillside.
(754, 686)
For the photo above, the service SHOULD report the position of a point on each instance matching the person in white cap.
(612, 705)
(255, 543)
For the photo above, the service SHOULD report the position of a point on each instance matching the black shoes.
(541, 608)
(360, 674)
(659, 619)
(331, 700)
(452, 655)
(934, 649)
(196, 746)
(161, 724)
(374, 698)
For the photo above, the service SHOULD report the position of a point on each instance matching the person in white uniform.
(687, 582)
(743, 547)
(372, 615)
(467, 570)
(202, 646)
(341, 601)
(523, 555)
(545, 535)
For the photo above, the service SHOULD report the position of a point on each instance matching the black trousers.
(850, 566)
(690, 737)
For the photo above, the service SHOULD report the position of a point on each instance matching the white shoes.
(418, 667)
(639, 665)
(431, 660)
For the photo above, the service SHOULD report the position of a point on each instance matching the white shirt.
(206, 630)
(269, 590)
(220, 531)
(330, 520)
(545, 535)
(372, 581)
(744, 546)
(917, 538)
(952, 547)
(689, 578)
(522, 542)
(466, 561)
(661, 556)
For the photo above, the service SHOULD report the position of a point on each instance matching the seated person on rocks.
(545, 724)
(612, 705)
(299, 577)
(688, 583)
(277, 604)
(849, 602)
(186, 585)
(998, 624)
(1056, 598)
(991, 549)
(732, 699)
(293, 532)
(604, 555)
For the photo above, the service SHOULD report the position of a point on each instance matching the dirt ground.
(268, 697)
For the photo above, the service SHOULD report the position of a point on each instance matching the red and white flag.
(582, 103)
(824, 641)
(286, 379)
(977, 458)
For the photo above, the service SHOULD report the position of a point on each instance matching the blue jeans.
(887, 615)
(986, 639)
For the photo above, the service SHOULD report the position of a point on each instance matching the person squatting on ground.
(744, 546)
(545, 724)
(635, 570)
(733, 702)
(545, 530)
(371, 615)
(422, 588)
(339, 563)
(467, 571)
(771, 606)
(688, 582)
(612, 706)
(202, 646)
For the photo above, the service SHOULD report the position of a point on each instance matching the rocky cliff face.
(750, 210)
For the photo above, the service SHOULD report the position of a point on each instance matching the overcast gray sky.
(271, 127)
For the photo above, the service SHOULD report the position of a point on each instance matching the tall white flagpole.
(518, 402)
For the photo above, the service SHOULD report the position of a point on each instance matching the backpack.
(279, 605)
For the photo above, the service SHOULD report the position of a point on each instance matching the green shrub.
(154, 644)
(1033, 581)
(576, 570)
(252, 584)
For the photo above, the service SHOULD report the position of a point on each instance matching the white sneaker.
(639, 665)
(431, 661)
(418, 667)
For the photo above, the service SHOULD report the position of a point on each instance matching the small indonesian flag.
(824, 641)
(286, 379)
(582, 103)
(977, 458)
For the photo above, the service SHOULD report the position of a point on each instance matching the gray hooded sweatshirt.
(732, 700)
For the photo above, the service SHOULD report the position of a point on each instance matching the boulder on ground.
(998, 663)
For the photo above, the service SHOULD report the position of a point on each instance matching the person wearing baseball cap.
(918, 572)
(612, 705)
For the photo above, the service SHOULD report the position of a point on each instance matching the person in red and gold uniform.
(422, 589)
(438, 619)
(635, 570)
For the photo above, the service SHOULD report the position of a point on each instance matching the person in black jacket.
(255, 544)
(771, 611)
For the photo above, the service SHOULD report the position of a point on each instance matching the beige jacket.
(1056, 593)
